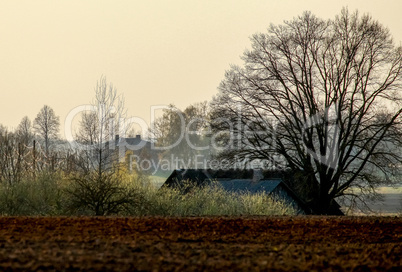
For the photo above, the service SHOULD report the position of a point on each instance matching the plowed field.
(195, 244)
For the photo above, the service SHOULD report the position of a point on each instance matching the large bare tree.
(322, 97)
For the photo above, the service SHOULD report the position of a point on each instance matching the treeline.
(62, 182)
(41, 174)
(33, 148)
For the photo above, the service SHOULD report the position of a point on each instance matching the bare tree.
(24, 130)
(13, 159)
(182, 134)
(99, 126)
(89, 128)
(321, 97)
(168, 129)
(99, 184)
(46, 125)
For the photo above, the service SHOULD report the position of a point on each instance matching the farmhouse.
(253, 181)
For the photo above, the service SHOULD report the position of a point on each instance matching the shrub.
(40, 196)
(209, 201)
(122, 194)
(106, 193)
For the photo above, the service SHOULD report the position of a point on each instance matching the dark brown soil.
(195, 244)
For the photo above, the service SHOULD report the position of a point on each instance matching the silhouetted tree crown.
(321, 97)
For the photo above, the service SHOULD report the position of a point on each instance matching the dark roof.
(199, 175)
(241, 185)
(130, 141)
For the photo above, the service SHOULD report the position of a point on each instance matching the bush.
(41, 196)
(207, 201)
(105, 193)
(127, 195)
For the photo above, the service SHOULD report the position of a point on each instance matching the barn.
(253, 181)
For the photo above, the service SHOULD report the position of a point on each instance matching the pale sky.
(154, 52)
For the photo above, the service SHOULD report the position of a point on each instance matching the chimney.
(117, 138)
(138, 137)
